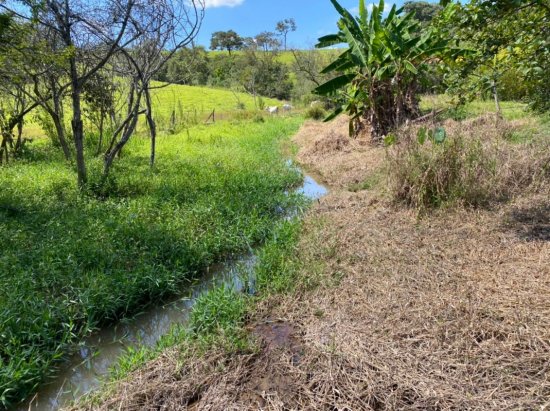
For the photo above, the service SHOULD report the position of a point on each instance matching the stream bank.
(97, 354)
(387, 311)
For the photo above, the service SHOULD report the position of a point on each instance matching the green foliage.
(423, 11)
(316, 112)
(256, 72)
(190, 66)
(378, 73)
(71, 263)
(509, 43)
(5, 23)
(226, 40)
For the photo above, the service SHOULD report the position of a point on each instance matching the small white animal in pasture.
(272, 110)
(287, 107)
(315, 103)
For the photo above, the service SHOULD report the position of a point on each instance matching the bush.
(316, 112)
(429, 175)
(512, 86)
(473, 167)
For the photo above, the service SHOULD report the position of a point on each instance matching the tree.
(164, 28)
(504, 36)
(307, 66)
(25, 78)
(226, 40)
(83, 38)
(189, 66)
(91, 33)
(261, 74)
(267, 40)
(99, 95)
(378, 73)
(284, 27)
(423, 11)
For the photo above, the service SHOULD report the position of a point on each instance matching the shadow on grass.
(532, 222)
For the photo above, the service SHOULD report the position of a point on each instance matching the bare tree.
(92, 33)
(284, 27)
(37, 73)
(162, 29)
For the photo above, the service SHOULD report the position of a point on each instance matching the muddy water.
(97, 354)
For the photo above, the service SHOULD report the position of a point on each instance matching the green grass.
(511, 110)
(285, 57)
(72, 262)
(191, 105)
(202, 100)
(219, 316)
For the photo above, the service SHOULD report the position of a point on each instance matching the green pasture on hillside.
(201, 100)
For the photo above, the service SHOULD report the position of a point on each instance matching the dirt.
(450, 312)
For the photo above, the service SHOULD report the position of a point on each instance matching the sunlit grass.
(511, 110)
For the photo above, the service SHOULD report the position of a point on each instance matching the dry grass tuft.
(475, 166)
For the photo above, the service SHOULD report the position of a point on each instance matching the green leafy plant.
(379, 72)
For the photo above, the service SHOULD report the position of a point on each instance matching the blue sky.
(250, 17)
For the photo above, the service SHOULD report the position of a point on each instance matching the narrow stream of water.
(97, 354)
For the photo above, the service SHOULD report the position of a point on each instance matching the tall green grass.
(71, 262)
(201, 100)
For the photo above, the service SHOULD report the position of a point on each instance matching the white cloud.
(222, 3)
(355, 10)
(387, 7)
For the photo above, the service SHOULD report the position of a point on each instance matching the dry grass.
(450, 312)
(475, 166)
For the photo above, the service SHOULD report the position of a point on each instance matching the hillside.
(202, 99)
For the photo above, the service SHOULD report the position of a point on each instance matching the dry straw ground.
(446, 312)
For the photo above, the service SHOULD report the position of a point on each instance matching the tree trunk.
(127, 128)
(60, 130)
(57, 117)
(151, 123)
(4, 150)
(77, 126)
(19, 142)
(127, 133)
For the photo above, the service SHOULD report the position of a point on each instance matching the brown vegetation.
(450, 312)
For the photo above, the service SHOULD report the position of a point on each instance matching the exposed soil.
(450, 312)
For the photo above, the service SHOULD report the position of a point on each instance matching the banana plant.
(378, 72)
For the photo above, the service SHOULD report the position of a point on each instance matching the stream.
(96, 354)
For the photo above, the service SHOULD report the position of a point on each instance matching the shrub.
(316, 112)
(472, 167)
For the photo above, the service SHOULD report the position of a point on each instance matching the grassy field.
(202, 100)
(286, 57)
(190, 104)
(71, 262)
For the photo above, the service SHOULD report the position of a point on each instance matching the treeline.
(256, 72)
(259, 65)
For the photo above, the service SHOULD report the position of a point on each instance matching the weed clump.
(316, 112)
(462, 168)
